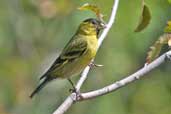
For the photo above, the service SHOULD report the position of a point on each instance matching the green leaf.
(144, 19)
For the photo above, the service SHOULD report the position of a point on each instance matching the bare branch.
(70, 99)
(137, 75)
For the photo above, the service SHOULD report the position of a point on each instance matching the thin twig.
(129, 79)
(70, 99)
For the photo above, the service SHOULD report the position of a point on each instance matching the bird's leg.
(74, 90)
(73, 86)
(92, 64)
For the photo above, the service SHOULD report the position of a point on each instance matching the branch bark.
(71, 98)
(129, 79)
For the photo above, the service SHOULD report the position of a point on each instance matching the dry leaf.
(169, 42)
(155, 49)
(92, 8)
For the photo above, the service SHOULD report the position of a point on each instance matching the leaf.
(92, 8)
(144, 19)
(167, 29)
(157, 46)
(169, 39)
(169, 42)
(155, 49)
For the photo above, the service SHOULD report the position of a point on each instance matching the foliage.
(155, 49)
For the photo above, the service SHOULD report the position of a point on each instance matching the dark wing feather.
(74, 49)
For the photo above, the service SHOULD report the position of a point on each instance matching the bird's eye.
(94, 22)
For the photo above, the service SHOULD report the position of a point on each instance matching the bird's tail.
(40, 86)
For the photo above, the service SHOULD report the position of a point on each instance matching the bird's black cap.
(93, 21)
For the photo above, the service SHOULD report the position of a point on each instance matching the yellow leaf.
(92, 8)
(167, 29)
(155, 49)
(169, 42)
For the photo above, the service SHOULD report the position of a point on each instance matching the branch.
(137, 75)
(70, 99)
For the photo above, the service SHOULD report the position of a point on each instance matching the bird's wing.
(73, 50)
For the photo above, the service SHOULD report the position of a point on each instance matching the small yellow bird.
(76, 55)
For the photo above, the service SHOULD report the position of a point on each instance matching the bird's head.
(91, 26)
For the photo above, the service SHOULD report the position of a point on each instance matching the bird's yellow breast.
(92, 46)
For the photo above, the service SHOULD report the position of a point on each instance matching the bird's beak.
(103, 25)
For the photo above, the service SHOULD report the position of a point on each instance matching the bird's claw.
(77, 93)
(91, 65)
(73, 90)
(146, 64)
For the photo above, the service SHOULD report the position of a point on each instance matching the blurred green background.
(33, 33)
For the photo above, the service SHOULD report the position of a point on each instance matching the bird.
(76, 55)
